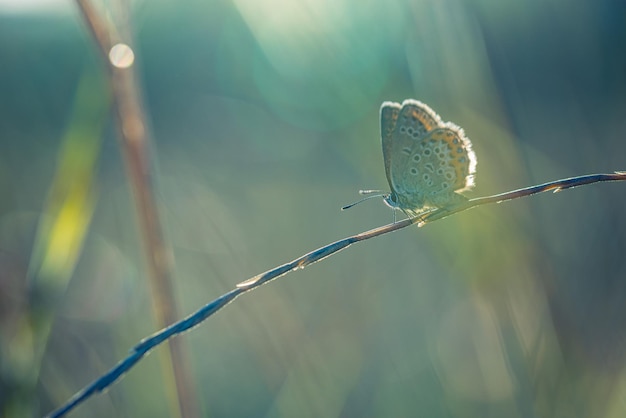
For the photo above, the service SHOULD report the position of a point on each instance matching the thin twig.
(134, 145)
(211, 308)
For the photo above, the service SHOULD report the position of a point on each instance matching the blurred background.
(264, 120)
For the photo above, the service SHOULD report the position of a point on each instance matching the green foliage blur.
(264, 119)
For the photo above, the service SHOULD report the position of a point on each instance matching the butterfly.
(427, 161)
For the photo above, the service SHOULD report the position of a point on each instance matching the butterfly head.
(391, 200)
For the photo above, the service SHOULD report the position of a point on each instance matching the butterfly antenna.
(365, 198)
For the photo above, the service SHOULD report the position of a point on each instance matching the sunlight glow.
(35, 6)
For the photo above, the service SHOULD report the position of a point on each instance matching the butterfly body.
(427, 161)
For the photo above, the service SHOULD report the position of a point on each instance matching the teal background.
(264, 120)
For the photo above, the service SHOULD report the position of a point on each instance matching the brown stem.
(134, 143)
(211, 308)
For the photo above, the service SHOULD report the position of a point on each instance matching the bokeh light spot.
(121, 56)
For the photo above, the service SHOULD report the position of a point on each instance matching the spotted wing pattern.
(429, 161)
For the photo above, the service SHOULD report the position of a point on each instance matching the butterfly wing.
(454, 155)
(388, 116)
(413, 123)
(443, 164)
